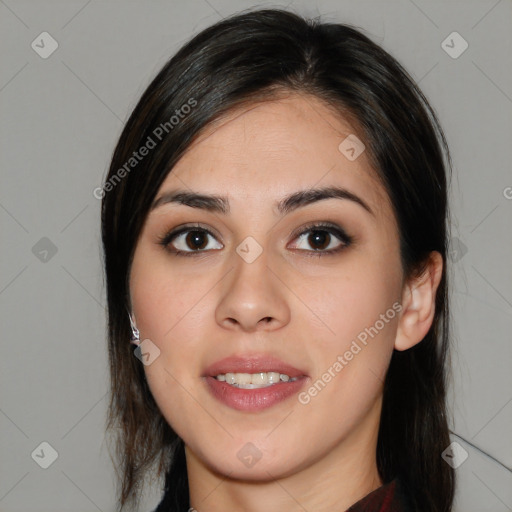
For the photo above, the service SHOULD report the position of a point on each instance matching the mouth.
(253, 383)
(254, 380)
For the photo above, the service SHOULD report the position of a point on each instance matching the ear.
(418, 304)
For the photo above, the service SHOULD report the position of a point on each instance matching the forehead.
(270, 148)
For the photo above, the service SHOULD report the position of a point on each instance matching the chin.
(249, 463)
(261, 471)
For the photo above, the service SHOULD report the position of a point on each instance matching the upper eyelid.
(320, 226)
(295, 232)
(186, 228)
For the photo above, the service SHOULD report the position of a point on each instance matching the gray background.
(61, 117)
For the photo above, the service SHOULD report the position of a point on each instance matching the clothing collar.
(387, 498)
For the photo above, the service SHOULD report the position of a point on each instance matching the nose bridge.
(251, 292)
(251, 266)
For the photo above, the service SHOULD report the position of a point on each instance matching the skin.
(290, 302)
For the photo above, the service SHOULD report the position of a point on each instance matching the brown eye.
(196, 240)
(189, 241)
(323, 239)
(319, 239)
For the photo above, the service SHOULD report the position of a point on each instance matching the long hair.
(255, 56)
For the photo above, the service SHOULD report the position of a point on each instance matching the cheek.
(358, 332)
(170, 313)
(351, 300)
(173, 321)
(163, 300)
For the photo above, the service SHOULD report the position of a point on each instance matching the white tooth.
(273, 377)
(254, 380)
(259, 378)
(243, 378)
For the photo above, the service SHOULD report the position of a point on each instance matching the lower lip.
(253, 399)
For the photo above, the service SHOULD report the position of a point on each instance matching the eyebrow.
(220, 204)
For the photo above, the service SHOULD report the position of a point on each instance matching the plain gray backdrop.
(61, 115)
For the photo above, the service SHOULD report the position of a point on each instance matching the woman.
(275, 228)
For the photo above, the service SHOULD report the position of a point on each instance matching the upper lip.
(252, 364)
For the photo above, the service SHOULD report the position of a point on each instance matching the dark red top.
(387, 498)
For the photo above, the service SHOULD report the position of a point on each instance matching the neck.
(335, 481)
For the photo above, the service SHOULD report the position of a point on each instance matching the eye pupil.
(319, 238)
(196, 240)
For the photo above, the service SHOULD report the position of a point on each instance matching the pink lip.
(252, 399)
(252, 364)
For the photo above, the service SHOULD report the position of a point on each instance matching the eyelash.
(332, 229)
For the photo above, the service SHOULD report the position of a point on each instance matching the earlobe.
(418, 304)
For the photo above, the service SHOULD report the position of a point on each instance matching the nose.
(253, 297)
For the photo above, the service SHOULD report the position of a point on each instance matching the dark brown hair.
(254, 56)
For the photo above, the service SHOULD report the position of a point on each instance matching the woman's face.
(259, 292)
